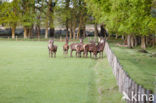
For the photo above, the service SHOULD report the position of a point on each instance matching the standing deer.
(74, 46)
(91, 48)
(101, 46)
(79, 49)
(65, 47)
(52, 48)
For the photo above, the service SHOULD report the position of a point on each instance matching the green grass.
(140, 66)
(28, 75)
(106, 84)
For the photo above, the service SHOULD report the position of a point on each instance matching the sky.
(7, 0)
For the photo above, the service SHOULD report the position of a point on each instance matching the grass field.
(140, 66)
(28, 75)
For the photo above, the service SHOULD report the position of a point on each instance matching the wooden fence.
(125, 83)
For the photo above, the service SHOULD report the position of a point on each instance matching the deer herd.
(92, 48)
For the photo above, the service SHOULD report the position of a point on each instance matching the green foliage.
(9, 14)
(27, 12)
(72, 12)
(123, 16)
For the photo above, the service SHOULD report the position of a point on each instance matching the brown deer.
(65, 47)
(73, 47)
(79, 49)
(91, 48)
(52, 48)
(100, 47)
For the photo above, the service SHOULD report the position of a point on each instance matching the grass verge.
(140, 66)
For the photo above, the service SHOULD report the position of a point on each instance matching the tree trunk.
(71, 33)
(147, 40)
(13, 32)
(135, 41)
(67, 32)
(132, 41)
(29, 32)
(51, 20)
(71, 30)
(80, 26)
(46, 32)
(74, 28)
(79, 29)
(25, 32)
(123, 37)
(116, 36)
(129, 41)
(96, 30)
(67, 21)
(38, 31)
(143, 44)
(103, 31)
(52, 30)
(84, 30)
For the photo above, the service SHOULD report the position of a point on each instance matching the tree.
(28, 16)
(124, 17)
(72, 13)
(10, 14)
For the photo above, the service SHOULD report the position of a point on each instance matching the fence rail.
(125, 83)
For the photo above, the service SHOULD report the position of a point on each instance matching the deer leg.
(77, 54)
(52, 54)
(99, 54)
(86, 54)
(90, 54)
(55, 54)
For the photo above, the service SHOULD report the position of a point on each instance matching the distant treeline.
(34, 14)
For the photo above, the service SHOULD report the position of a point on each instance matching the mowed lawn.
(28, 75)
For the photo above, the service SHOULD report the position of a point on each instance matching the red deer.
(100, 47)
(73, 47)
(91, 48)
(79, 49)
(52, 48)
(65, 47)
